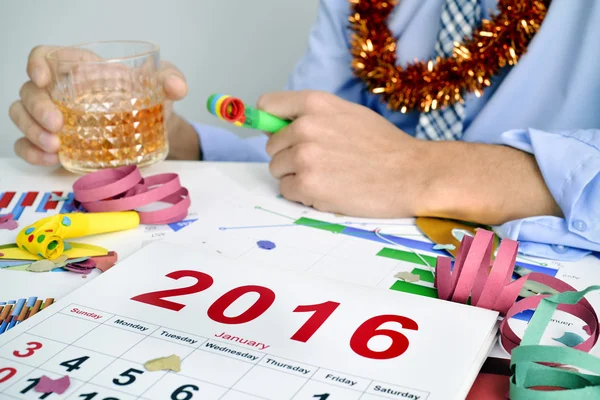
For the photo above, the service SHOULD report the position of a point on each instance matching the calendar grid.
(162, 377)
(304, 384)
(123, 356)
(47, 371)
(117, 358)
(241, 377)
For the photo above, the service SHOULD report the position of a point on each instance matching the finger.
(173, 81)
(295, 188)
(69, 62)
(39, 105)
(46, 61)
(302, 130)
(299, 159)
(283, 163)
(48, 142)
(288, 189)
(37, 66)
(294, 104)
(33, 155)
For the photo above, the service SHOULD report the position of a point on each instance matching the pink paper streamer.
(492, 288)
(123, 189)
(472, 276)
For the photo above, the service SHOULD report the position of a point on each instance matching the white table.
(18, 176)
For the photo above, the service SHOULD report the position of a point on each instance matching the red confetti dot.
(30, 238)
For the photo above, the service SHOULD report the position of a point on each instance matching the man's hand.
(341, 157)
(38, 118)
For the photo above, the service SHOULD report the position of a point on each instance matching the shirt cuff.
(570, 164)
(219, 144)
(546, 237)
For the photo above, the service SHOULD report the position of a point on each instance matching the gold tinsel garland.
(425, 86)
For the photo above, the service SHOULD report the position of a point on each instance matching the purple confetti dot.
(265, 244)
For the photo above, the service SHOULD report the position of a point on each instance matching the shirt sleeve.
(219, 144)
(570, 164)
(326, 65)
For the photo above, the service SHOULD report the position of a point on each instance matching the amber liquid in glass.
(106, 131)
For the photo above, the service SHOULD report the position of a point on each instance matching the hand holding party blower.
(234, 110)
(45, 237)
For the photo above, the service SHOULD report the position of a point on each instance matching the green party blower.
(234, 110)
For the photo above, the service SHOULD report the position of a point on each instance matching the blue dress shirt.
(548, 105)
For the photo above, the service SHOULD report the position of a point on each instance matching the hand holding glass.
(112, 102)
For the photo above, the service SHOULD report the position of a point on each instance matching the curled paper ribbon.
(582, 310)
(46, 237)
(473, 279)
(534, 365)
(124, 188)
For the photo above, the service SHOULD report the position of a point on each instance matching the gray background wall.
(239, 47)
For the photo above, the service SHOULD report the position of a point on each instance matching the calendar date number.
(359, 342)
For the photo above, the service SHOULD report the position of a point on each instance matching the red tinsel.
(425, 86)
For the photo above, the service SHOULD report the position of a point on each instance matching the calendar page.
(243, 332)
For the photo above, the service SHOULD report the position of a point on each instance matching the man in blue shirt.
(528, 154)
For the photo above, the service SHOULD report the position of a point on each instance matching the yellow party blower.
(45, 238)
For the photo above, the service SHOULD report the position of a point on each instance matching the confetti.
(13, 263)
(81, 267)
(77, 260)
(10, 225)
(55, 197)
(7, 222)
(570, 339)
(60, 261)
(41, 266)
(47, 265)
(172, 363)
(407, 277)
(444, 247)
(104, 263)
(48, 385)
(266, 244)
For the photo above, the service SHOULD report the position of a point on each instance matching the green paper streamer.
(526, 359)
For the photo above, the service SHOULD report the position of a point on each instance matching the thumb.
(173, 81)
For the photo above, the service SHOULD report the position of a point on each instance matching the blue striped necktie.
(459, 17)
